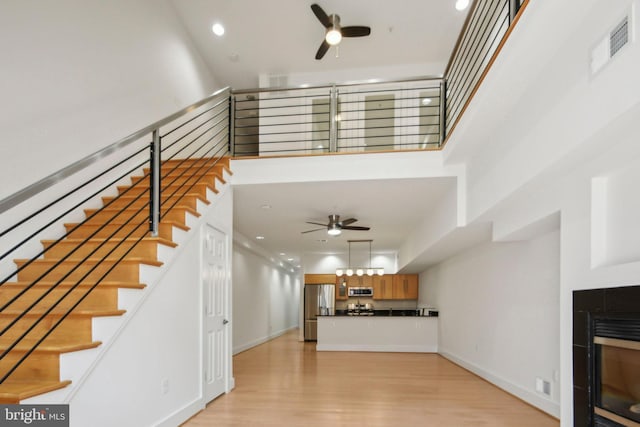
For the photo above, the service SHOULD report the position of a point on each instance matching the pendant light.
(360, 271)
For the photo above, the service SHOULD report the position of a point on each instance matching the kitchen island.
(415, 334)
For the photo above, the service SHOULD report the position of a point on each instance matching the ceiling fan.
(335, 32)
(335, 226)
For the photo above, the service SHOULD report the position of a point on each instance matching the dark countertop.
(380, 313)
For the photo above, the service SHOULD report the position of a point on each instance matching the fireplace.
(616, 371)
(606, 357)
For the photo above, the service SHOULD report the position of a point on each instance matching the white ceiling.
(392, 208)
(409, 38)
(282, 36)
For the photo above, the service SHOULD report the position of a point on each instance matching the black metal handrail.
(197, 135)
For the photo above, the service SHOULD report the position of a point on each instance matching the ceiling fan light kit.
(335, 32)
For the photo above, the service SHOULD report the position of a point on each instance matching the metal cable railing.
(190, 143)
(486, 27)
(382, 116)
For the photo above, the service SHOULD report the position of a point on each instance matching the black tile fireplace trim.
(588, 305)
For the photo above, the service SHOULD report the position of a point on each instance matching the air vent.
(611, 44)
(619, 37)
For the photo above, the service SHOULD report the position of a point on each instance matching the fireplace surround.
(606, 357)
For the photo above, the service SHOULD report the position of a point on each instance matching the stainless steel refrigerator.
(318, 300)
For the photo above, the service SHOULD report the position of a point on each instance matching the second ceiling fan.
(335, 32)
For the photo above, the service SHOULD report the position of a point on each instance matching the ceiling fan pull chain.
(337, 51)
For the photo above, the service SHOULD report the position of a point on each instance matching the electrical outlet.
(164, 386)
(543, 386)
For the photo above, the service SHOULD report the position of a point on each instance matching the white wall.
(558, 145)
(265, 296)
(499, 313)
(77, 75)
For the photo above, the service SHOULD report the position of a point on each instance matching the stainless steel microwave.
(361, 292)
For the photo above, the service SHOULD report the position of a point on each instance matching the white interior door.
(215, 288)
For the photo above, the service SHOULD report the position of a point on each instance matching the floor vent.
(611, 44)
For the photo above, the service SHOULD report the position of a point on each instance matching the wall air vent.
(619, 37)
(611, 44)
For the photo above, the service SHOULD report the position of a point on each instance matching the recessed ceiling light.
(259, 237)
(426, 101)
(289, 259)
(462, 4)
(282, 254)
(217, 29)
(265, 207)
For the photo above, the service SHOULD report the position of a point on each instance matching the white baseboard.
(529, 396)
(246, 346)
(181, 415)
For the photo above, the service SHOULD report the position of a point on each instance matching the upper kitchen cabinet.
(383, 286)
(359, 281)
(405, 286)
(319, 279)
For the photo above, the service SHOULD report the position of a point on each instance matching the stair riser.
(76, 329)
(176, 214)
(86, 230)
(188, 200)
(126, 272)
(144, 249)
(185, 181)
(105, 298)
(171, 172)
(42, 366)
(200, 189)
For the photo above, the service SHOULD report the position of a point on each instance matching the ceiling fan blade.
(324, 47)
(355, 227)
(322, 17)
(355, 31)
(315, 229)
(317, 223)
(348, 221)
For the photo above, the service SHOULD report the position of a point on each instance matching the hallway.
(287, 383)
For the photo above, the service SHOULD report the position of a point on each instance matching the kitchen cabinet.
(359, 281)
(319, 279)
(405, 286)
(341, 288)
(383, 286)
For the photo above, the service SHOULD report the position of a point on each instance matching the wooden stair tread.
(119, 221)
(165, 199)
(13, 391)
(128, 260)
(37, 312)
(68, 284)
(27, 344)
(90, 212)
(67, 240)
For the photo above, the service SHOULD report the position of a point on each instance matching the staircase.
(49, 309)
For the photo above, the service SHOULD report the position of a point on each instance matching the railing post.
(443, 111)
(232, 124)
(514, 6)
(154, 184)
(333, 119)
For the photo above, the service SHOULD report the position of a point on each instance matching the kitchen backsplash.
(379, 304)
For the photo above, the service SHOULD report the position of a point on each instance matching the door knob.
(225, 321)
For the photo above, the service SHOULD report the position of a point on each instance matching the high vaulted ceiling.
(409, 38)
(281, 37)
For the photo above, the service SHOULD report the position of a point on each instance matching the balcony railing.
(401, 115)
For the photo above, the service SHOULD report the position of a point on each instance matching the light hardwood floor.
(287, 383)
